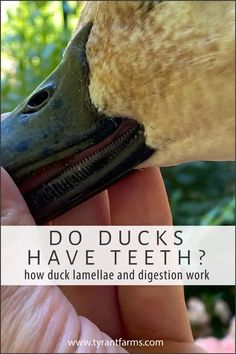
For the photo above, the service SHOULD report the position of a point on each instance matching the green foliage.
(201, 193)
(33, 41)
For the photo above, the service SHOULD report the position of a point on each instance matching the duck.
(140, 84)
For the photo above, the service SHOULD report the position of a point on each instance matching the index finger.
(148, 311)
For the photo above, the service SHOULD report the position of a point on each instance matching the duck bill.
(59, 149)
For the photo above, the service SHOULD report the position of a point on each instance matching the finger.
(140, 199)
(95, 211)
(38, 320)
(14, 210)
(98, 303)
(148, 311)
(32, 308)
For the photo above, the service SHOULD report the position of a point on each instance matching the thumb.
(14, 210)
(44, 320)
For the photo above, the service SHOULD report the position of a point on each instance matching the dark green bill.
(59, 149)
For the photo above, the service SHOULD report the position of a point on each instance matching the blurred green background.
(34, 35)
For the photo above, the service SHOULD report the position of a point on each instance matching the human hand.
(43, 319)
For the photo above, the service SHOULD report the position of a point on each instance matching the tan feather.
(170, 67)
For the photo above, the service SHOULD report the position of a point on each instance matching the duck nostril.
(38, 100)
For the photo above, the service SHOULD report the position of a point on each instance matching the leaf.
(48, 50)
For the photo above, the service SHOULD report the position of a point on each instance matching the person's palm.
(43, 319)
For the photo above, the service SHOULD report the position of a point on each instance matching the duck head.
(141, 83)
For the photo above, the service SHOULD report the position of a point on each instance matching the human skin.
(41, 319)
